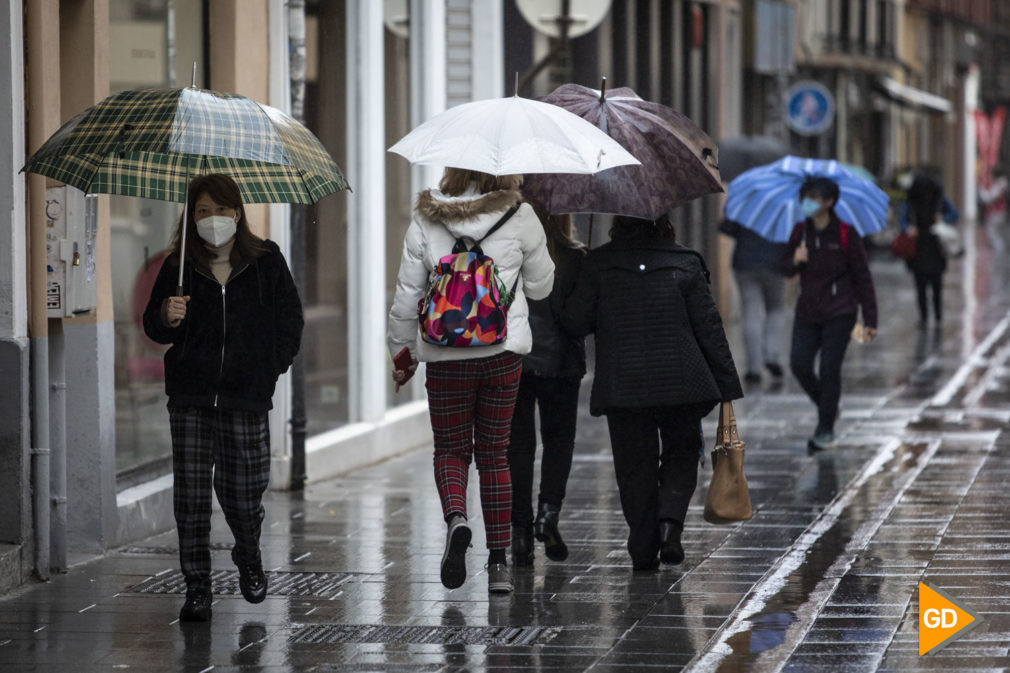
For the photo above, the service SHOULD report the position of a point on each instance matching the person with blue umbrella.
(835, 284)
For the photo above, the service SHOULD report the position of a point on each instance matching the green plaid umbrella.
(152, 142)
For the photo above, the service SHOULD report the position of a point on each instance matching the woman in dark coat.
(552, 373)
(662, 364)
(835, 283)
(236, 328)
(925, 206)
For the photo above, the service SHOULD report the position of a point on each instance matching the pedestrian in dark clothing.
(927, 206)
(552, 372)
(236, 328)
(835, 282)
(762, 291)
(662, 364)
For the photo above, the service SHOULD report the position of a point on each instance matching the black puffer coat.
(236, 338)
(556, 352)
(659, 337)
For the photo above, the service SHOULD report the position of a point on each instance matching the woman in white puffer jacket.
(472, 391)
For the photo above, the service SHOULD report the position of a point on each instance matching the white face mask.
(216, 229)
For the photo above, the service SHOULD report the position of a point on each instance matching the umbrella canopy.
(742, 153)
(766, 199)
(509, 136)
(152, 142)
(678, 159)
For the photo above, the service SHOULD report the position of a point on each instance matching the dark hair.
(625, 227)
(224, 191)
(925, 199)
(825, 188)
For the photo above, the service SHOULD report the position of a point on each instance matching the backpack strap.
(461, 243)
(502, 220)
(843, 233)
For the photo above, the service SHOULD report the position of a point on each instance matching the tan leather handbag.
(728, 499)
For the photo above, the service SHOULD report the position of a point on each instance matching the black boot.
(670, 549)
(545, 528)
(522, 546)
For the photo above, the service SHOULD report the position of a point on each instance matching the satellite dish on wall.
(543, 15)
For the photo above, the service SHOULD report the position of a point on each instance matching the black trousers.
(558, 399)
(231, 450)
(935, 282)
(656, 453)
(824, 388)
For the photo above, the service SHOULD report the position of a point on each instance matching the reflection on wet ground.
(822, 578)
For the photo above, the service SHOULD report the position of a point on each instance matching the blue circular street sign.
(810, 108)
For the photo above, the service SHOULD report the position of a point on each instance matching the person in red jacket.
(835, 283)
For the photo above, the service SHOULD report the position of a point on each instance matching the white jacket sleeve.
(538, 269)
(411, 282)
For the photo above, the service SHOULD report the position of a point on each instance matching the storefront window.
(399, 198)
(150, 44)
(324, 341)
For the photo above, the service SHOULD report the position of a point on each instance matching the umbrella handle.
(182, 241)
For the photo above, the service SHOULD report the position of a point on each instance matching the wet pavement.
(823, 578)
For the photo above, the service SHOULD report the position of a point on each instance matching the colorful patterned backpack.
(466, 303)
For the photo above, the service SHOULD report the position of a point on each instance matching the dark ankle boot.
(545, 529)
(522, 546)
(670, 549)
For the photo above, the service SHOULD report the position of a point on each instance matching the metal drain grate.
(173, 551)
(316, 585)
(333, 634)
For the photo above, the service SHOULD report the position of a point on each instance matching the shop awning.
(912, 97)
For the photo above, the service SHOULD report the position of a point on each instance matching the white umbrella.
(508, 136)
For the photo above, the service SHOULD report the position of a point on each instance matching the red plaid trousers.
(471, 402)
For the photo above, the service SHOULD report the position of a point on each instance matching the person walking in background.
(926, 207)
(236, 329)
(552, 372)
(471, 391)
(762, 288)
(662, 364)
(835, 282)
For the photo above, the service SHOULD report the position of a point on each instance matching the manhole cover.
(332, 634)
(318, 585)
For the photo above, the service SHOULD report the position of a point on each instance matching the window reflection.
(150, 43)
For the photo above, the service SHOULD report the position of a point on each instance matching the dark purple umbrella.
(678, 158)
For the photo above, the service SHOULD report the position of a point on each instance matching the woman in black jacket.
(662, 364)
(835, 283)
(552, 372)
(234, 330)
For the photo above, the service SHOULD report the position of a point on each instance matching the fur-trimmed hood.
(469, 214)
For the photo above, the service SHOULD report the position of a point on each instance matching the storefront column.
(427, 76)
(366, 211)
(15, 490)
(89, 340)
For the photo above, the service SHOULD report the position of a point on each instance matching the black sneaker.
(252, 581)
(197, 606)
(457, 539)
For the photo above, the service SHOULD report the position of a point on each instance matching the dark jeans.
(831, 338)
(558, 398)
(656, 452)
(934, 281)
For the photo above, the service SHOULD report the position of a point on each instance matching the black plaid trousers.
(232, 448)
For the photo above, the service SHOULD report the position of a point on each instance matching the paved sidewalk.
(822, 579)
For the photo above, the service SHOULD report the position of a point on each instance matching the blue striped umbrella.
(766, 199)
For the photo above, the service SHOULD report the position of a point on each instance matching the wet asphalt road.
(823, 578)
